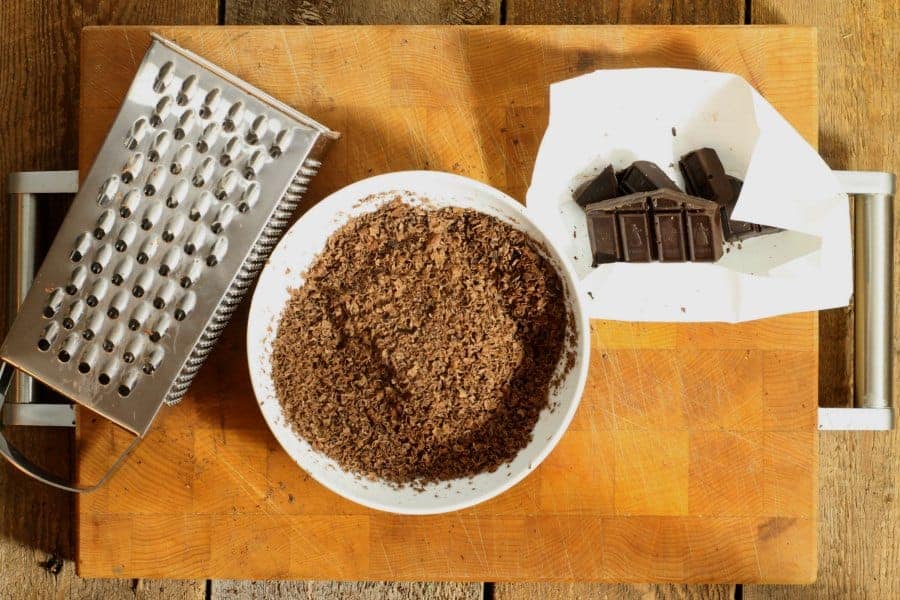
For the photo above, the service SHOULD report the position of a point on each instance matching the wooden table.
(859, 528)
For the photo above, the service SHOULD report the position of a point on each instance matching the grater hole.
(49, 312)
(154, 336)
(68, 323)
(128, 357)
(91, 301)
(88, 334)
(112, 312)
(43, 345)
(84, 367)
(186, 282)
(163, 270)
(71, 289)
(96, 268)
(103, 378)
(179, 314)
(148, 369)
(76, 256)
(137, 291)
(117, 279)
(64, 356)
(108, 346)
(124, 390)
(159, 303)
(134, 324)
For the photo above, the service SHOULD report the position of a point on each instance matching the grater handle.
(21, 462)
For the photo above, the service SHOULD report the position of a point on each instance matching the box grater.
(194, 183)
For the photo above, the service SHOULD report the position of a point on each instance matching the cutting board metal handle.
(873, 302)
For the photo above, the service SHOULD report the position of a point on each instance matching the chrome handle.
(873, 301)
(22, 189)
(21, 462)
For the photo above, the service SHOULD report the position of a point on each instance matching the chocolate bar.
(603, 187)
(665, 225)
(644, 176)
(640, 215)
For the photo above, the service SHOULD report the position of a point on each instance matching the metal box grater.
(194, 183)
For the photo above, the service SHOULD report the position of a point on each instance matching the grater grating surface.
(195, 182)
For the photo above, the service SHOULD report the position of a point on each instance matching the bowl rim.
(406, 181)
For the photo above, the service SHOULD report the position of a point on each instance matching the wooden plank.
(592, 591)
(362, 12)
(860, 525)
(235, 504)
(344, 590)
(39, 46)
(645, 12)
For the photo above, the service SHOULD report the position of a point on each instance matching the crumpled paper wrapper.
(618, 116)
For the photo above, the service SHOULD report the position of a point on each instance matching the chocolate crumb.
(423, 345)
(673, 132)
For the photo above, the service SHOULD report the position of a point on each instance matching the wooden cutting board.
(693, 456)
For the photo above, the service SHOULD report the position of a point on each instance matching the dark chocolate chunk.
(603, 235)
(629, 203)
(670, 246)
(644, 176)
(603, 187)
(704, 234)
(705, 176)
(666, 199)
(636, 243)
(654, 226)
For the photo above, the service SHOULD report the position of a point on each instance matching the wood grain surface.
(702, 471)
(858, 483)
(661, 12)
(362, 12)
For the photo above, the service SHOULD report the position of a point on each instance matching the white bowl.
(285, 270)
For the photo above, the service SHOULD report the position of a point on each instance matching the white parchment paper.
(618, 116)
